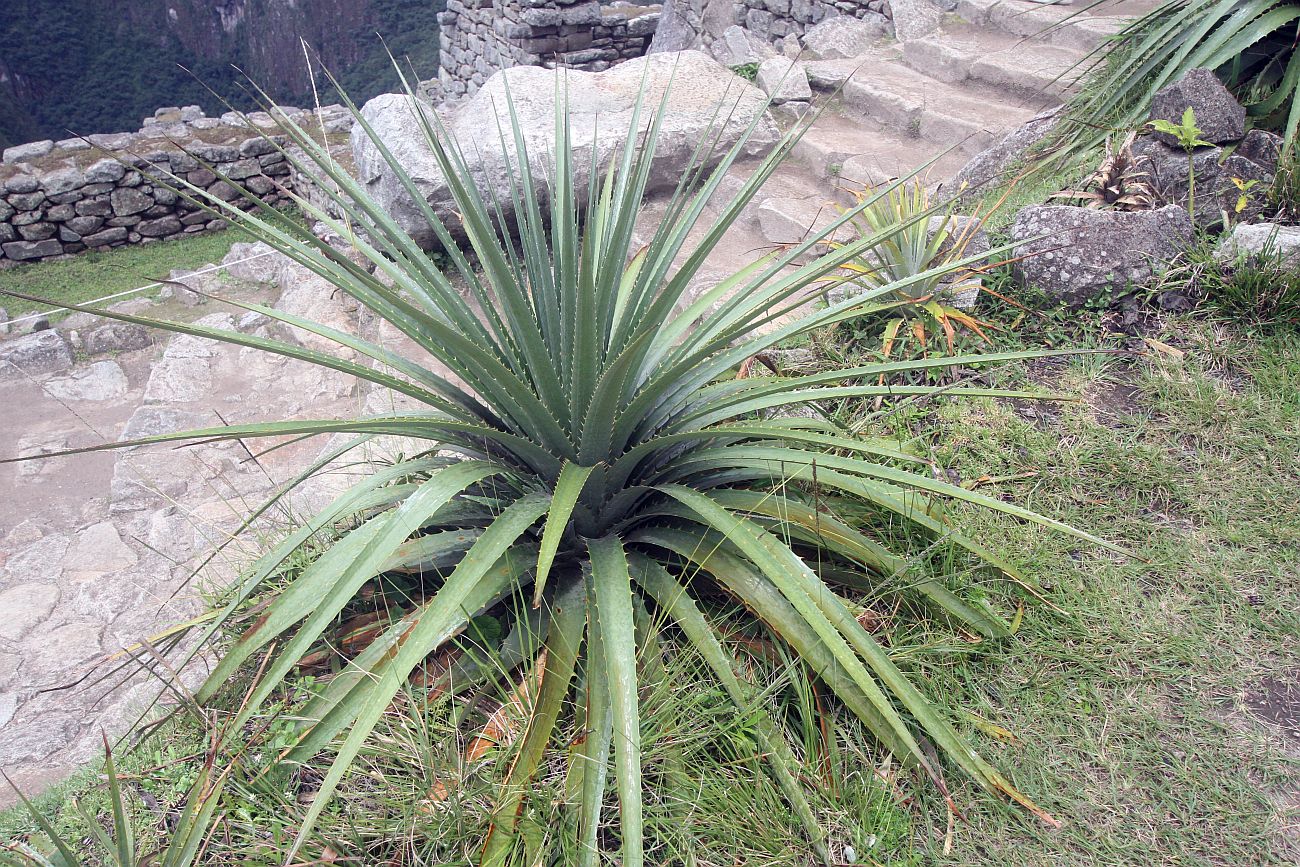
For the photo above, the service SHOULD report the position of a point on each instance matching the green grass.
(1261, 288)
(1135, 709)
(1131, 710)
(1030, 183)
(93, 274)
(707, 796)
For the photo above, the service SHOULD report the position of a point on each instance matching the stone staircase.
(947, 96)
(990, 67)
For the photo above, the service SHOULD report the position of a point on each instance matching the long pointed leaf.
(612, 583)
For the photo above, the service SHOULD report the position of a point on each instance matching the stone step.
(1017, 65)
(745, 239)
(789, 220)
(907, 103)
(1081, 27)
(792, 179)
(854, 152)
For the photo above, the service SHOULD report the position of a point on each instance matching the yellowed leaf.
(1165, 349)
(505, 723)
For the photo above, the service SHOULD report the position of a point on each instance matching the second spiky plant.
(914, 265)
(1121, 181)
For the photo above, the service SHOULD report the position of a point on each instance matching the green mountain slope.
(89, 66)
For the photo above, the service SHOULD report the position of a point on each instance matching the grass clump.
(94, 274)
(413, 798)
(1261, 287)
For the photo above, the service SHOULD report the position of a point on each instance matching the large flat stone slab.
(704, 101)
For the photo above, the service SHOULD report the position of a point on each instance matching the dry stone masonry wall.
(723, 26)
(60, 198)
(480, 37)
(775, 20)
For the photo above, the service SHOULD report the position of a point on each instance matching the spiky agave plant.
(916, 248)
(604, 462)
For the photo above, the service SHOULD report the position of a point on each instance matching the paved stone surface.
(96, 550)
(33, 355)
(103, 380)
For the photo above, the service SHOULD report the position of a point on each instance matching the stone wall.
(480, 37)
(776, 19)
(60, 198)
(704, 24)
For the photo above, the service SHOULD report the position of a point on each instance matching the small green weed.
(1188, 135)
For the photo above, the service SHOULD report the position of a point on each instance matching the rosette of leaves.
(1120, 182)
(596, 460)
(918, 257)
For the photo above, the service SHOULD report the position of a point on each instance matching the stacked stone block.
(777, 19)
(781, 23)
(480, 37)
(109, 190)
